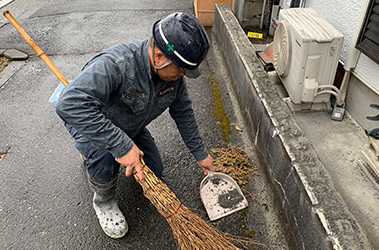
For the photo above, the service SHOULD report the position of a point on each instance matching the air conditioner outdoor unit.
(306, 54)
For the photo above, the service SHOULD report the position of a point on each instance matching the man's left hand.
(207, 164)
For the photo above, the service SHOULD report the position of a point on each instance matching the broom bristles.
(190, 231)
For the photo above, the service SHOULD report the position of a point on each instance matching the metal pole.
(263, 14)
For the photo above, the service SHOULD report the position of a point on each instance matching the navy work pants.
(102, 165)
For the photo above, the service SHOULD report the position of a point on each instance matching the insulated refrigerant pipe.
(34, 46)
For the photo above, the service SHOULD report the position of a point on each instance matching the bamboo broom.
(190, 231)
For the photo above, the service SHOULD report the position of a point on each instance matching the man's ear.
(159, 58)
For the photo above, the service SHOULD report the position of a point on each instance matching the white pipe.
(330, 92)
(344, 84)
(330, 86)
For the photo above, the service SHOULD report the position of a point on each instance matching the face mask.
(168, 62)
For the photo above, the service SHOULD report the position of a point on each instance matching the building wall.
(359, 98)
(369, 71)
(344, 15)
(363, 90)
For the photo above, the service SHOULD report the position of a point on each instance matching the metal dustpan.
(221, 195)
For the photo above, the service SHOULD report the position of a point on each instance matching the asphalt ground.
(45, 201)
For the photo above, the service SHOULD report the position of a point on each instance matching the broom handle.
(34, 46)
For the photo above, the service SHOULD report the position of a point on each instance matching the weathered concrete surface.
(339, 145)
(10, 71)
(316, 213)
(45, 201)
(14, 54)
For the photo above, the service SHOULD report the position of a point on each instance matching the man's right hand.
(131, 162)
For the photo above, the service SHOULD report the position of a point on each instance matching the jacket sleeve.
(81, 102)
(182, 113)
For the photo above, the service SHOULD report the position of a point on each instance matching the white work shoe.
(111, 219)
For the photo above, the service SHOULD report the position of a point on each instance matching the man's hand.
(131, 161)
(207, 164)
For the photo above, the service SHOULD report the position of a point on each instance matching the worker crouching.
(118, 93)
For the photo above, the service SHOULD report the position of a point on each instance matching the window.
(368, 42)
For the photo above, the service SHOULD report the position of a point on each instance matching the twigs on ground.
(233, 161)
(244, 241)
(255, 197)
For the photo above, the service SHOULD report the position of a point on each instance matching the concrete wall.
(314, 211)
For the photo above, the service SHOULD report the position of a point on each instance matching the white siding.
(345, 16)
(369, 71)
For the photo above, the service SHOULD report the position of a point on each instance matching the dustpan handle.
(205, 180)
(210, 173)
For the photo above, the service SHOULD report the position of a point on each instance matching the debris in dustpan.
(221, 195)
(234, 161)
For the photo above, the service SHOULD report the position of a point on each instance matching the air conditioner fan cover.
(282, 49)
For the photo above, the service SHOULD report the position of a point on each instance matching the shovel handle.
(34, 46)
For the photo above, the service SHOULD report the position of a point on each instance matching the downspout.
(352, 56)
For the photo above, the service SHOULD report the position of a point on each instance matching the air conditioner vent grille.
(282, 49)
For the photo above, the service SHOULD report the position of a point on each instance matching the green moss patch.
(218, 109)
(4, 62)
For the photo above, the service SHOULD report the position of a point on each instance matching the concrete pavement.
(315, 196)
(45, 201)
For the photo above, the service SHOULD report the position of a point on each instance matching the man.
(118, 93)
